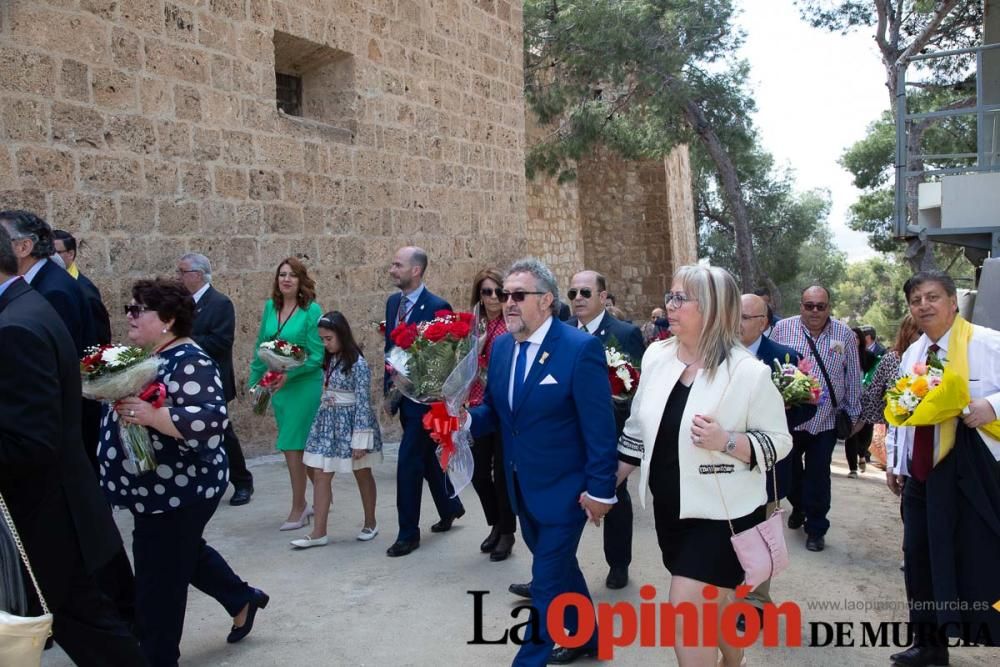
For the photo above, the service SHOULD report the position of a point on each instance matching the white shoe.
(301, 523)
(368, 534)
(306, 542)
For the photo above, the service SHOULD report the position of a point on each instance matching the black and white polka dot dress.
(189, 470)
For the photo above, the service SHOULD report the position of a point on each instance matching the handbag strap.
(822, 367)
(20, 549)
(711, 454)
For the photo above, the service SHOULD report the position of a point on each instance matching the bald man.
(753, 322)
(416, 461)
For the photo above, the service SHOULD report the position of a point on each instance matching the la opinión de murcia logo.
(653, 624)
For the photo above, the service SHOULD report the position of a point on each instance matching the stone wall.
(149, 128)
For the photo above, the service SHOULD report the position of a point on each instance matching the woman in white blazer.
(706, 419)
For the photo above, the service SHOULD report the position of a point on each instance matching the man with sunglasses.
(833, 347)
(547, 394)
(589, 298)
(416, 461)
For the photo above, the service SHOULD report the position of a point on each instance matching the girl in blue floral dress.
(345, 435)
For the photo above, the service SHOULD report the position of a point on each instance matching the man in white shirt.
(933, 303)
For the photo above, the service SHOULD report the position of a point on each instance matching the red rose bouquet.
(436, 363)
(110, 373)
(279, 356)
(623, 376)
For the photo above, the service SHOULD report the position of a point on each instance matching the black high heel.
(258, 600)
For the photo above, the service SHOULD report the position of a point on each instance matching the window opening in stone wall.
(288, 90)
(314, 82)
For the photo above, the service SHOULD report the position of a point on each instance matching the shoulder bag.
(761, 550)
(842, 420)
(22, 638)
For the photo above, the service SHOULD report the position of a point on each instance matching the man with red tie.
(921, 458)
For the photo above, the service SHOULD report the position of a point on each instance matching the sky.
(816, 92)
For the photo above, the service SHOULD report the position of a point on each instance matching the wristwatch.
(731, 443)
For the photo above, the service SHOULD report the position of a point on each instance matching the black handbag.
(842, 421)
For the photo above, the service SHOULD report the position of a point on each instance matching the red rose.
(443, 313)
(436, 331)
(617, 386)
(404, 335)
(465, 317)
(460, 329)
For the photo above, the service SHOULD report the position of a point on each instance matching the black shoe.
(617, 578)
(444, 525)
(504, 546)
(816, 543)
(563, 656)
(741, 620)
(402, 548)
(241, 496)
(521, 590)
(258, 600)
(490, 543)
(921, 656)
(796, 520)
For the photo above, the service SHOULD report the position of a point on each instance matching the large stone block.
(231, 182)
(115, 89)
(177, 218)
(145, 15)
(82, 213)
(74, 81)
(265, 185)
(136, 216)
(110, 174)
(161, 177)
(25, 120)
(26, 72)
(81, 36)
(135, 134)
(45, 169)
(172, 61)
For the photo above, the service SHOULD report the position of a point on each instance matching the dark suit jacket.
(423, 311)
(628, 335)
(66, 296)
(767, 352)
(98, 313)
(963, 519)
(215, 330)
(45, 477)
(560, 435)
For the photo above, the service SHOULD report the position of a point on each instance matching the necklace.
(167, 344)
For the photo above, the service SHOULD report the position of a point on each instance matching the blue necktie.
(519, 367)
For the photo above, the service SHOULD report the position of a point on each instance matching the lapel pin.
(545, 355)
(602, 332)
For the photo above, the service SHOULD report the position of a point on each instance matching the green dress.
(296, 403)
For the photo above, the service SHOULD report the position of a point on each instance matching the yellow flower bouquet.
(929, 394)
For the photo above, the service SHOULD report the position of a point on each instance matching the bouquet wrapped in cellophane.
(622, 374)
(796, 382)
(279, 356)
(435, 363)
(110, 373)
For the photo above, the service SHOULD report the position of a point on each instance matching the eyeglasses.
(747, 318)
(518, 297)
(490, 291)
(181, 272)
(677, 299)
(585, 292)
(134, 310)
(819, 307)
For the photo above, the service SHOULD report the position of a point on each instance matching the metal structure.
(971, 223)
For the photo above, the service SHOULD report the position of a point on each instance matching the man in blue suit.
(753, 322)
(417, 460)
(588, 294)
(548, 395)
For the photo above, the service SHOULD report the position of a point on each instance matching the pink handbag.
(761, 550)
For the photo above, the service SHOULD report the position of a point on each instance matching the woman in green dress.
(291, 314)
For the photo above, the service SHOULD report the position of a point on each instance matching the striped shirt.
(838, 348)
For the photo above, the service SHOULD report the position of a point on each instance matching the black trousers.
(170, 554)
(88, 628)
(917, 559)
(856, 446)
(490, 482)
(239, 476)
(618, 530)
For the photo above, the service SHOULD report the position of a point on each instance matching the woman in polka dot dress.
(172, 504)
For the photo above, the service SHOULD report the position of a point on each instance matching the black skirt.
(698, 549)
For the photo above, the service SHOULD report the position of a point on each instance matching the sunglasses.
(490, 291)
(585, 292)
(134, 310)
(518, 297)
(819, 307)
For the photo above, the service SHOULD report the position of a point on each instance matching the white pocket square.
(548, 379)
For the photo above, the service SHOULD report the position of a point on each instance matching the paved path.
(348, 604)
